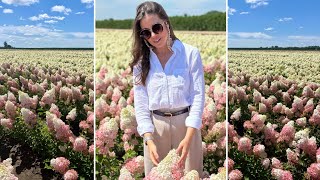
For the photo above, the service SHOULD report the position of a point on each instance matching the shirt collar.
(177, 45)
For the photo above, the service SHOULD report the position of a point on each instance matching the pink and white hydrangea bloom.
(11, 109)
(7, 123)
(72, 114)
(235, 175)
(60, 164)
(48, 98)
(70, 175)
(314, 170)
(192, 175)
(167, 169)
(26, 101)
(259, 150)
(6, 170)
(125, 174)
(280, 174)
(245, 145)
(55, 110)
(287, 133)
(29, 117)
(106, 134)
(80, 144)
(292, 156)
(276, 163)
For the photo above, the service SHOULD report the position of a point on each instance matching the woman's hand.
(153, 152)
(184, 145)
(183, 149)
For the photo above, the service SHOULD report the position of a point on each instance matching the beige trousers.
(168, 133)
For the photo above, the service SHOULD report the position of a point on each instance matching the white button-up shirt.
(179, 84)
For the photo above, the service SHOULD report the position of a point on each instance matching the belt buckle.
(168, 114)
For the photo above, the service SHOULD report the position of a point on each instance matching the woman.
(168, 90)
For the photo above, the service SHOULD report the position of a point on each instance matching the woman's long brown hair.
(140, 51)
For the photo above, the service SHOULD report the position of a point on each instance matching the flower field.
(46, 104)
(302, 66)
(212, 46)
(119, 148)
(274, 115)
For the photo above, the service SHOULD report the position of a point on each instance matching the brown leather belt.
(157, 112)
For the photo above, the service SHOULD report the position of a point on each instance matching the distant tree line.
(314, 48)
(211, 21)
(6, 46)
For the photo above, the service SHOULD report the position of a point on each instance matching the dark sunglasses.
(156, 28)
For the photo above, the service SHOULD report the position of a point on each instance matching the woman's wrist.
(147, 134)
(149, 142)
(147, 138)
(190, 132)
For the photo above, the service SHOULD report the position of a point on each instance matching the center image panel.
(160, 90)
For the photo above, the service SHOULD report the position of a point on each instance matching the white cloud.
(61, 9)
(45, 16)
(57, 30)
(44, 37)
(269, 29)
(20, 2)
(25, 30)
(7, 11)
(50, 21)
(0, 7)
(285, 19)
(244, 13)
(81, 34)
(301, 27)
(257, 3)
(39, 17)
(281, 41)
(231, 10)
(249, 43)
(80, 12)
(249, 35)
(21, 18)
(89, 3)
(304, 38)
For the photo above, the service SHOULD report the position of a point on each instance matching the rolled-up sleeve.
(141, 105)
(197, 92)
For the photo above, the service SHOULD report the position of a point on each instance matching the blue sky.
(261, 23)
(47, 23)
(125, 9)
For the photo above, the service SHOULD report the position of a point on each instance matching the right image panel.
(273, 90)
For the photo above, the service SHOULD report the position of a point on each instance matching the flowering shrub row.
(51, 110)
(75, 61)
(301, 66)
(113, 47)
(273, 127)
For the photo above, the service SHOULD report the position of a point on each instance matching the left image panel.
(46, 89)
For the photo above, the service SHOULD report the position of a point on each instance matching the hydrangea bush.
(273, 127)
(48, 106)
